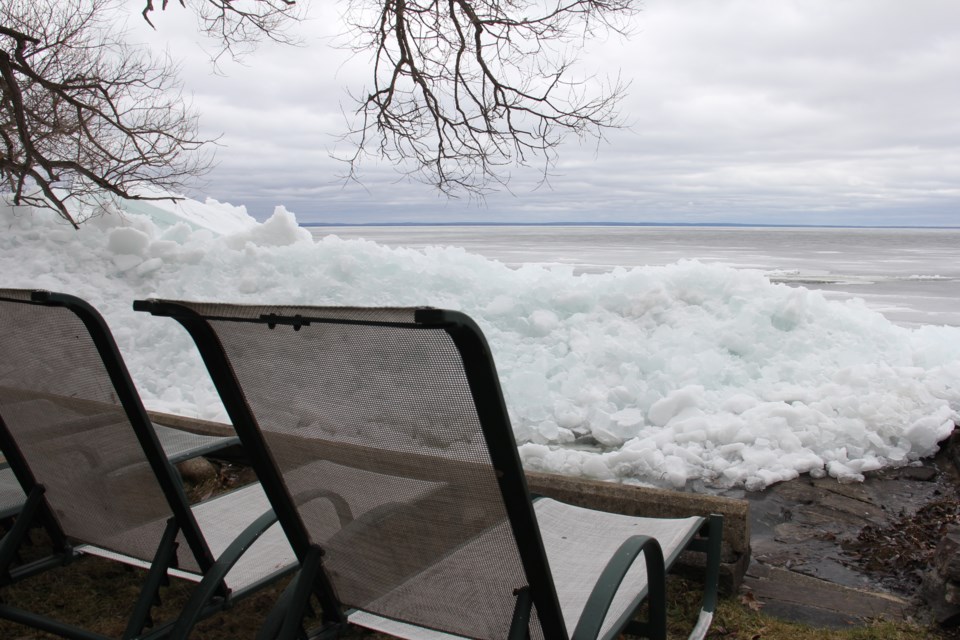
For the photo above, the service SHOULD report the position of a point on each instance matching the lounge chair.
(11, 495)
(178, 445)
(411, 395)
(79, 442)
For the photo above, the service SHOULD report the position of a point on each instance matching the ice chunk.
(662, 411)
(128, 241)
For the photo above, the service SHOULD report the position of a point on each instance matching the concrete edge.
(193, 425)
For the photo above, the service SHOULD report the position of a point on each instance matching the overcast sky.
(746, 111)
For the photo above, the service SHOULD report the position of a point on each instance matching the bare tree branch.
(83, 116)
(239, 25)
(461, 91)
(464, 89)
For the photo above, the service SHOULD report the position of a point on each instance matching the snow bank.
(684, 375)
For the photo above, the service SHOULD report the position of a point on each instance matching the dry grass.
(97, 595)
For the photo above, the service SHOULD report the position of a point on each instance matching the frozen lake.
(912, 276)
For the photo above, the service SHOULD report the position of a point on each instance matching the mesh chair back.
(377, 404)
(63, 413)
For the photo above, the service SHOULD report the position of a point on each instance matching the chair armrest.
(212, 582)
(595, 610)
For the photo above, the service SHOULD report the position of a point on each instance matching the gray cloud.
(739, 110)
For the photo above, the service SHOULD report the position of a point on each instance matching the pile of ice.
(683, 375)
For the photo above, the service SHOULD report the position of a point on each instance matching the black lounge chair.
(178, 445)
(412, 396)
(11, 495)
(78, 440)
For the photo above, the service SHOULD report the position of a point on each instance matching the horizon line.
(623, 224)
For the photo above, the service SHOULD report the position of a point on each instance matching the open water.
(912, 276)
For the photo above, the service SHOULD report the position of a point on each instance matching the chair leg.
(299, 598)
(281, 612)
(11, 541)
(270, 629)
(162, 560)
(714, 544)
(520, 625)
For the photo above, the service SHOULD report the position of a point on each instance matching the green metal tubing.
(594, 612)
(520, 625)
(339, 504)
(212, 581)
(491, 409)
(300, 598)
(710, 542)
(22, 572)
(11, 542)
(33, 511)
(270, 628)
(166, 552)
(714, 545)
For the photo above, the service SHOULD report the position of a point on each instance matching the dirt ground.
(861, 548)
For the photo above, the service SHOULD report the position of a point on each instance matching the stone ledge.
(193, 425)
(793, 596)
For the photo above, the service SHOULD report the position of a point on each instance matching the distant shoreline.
(692, 225)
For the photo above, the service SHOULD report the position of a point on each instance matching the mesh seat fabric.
(389, 405)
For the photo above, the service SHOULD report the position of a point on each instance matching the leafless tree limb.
(83, 116)
(238, 25)
(461, 92)
(465, 89)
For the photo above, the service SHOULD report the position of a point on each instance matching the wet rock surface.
(940, 586)
(836, 554)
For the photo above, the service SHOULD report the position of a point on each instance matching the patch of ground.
(899, 553)
(833, 554)
(875, 536)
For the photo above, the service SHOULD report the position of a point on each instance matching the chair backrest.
(72, 422)
(385, 398)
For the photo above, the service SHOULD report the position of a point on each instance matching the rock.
(197, 471)
(923, 474)
(941, 583)
(946, 559)
(951, 447)
(791, 533)
(942, 600)
(952, 594)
